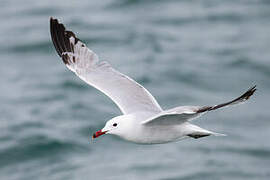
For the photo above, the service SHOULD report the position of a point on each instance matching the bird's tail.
(198, 132)
(238, 100)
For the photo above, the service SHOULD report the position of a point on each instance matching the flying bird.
(143, 120)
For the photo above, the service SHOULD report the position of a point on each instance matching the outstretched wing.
(127, 94)
(182, 114)
(238, 100)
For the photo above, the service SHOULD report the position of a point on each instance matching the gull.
(143, 120)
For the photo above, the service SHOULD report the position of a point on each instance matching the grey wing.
(126, 93)
(173, 116)
(169, 119)
(186, 113)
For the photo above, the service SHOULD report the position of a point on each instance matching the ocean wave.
(37, 147)
(72, 84)
(128, 3)
(246, 63)
(249, 151)
(255, 152)
(43, 47)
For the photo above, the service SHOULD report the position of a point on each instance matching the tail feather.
(238, 100)
(218, 134)
(198, 132)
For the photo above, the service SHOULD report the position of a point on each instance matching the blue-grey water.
(188, 52)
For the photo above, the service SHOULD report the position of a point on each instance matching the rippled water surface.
(188, 52)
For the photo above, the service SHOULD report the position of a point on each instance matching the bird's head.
(114, 126)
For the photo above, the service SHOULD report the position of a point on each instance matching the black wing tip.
(61, 39)
(54, 23)
(204, 109)
(51, 18)
(54, 35)
(243, 97)
(249, 93)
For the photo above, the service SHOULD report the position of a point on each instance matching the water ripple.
(35, 148)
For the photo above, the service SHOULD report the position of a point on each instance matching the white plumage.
(143, 120)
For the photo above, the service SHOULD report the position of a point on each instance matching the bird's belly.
(158, 135)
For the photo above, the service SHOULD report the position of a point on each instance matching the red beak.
(98, 133)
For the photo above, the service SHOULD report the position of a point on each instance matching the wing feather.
(186, 113)
(173, 116)
(129, 96)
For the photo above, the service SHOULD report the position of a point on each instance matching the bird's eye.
(115, 124)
